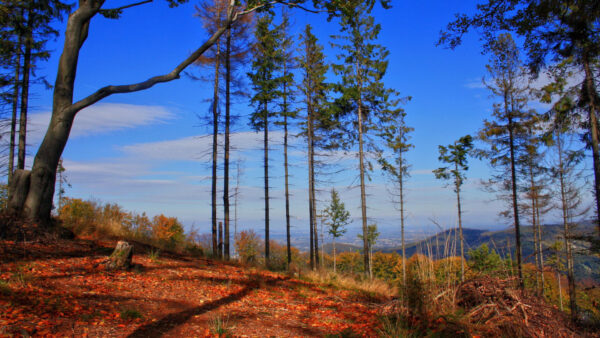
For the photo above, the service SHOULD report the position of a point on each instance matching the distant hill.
(503, 242)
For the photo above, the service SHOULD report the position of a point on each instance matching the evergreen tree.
(396, 136)
(266, 83)
(362, 93)
(553, 32)
(314, 90)
(455, 155)
(505, 134)
(337, 218)
(288, 65)
(213, 15)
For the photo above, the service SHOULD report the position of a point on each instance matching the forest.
(308, 143)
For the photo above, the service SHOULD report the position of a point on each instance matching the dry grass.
(374, 287)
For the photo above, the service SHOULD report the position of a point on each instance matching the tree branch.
(113, 13)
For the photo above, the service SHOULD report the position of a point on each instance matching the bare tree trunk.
(540, 241)
(266, 167)
(15, 104)
(460, 230)
(592, 109)
(311, 188)
(567, 234)
(286, 174)
(220, 240)
(513, 176)
(25, 92)
(533, 193)
(401, 185)
(361, 160)
(559, 291)
(226, 150)
(334, 259)
(215, 157)
(314, 205)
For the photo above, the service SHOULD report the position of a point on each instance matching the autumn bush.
(90, 218)
(248, 246)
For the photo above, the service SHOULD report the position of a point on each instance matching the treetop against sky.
(149, 151)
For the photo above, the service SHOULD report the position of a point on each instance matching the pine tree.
(455, 155)
(213, 15)
(337, 218)
(395, 133)
(266, 83)
(505, 134)
(553, 32)
(362, 93)
(314, 90)
(288, 65)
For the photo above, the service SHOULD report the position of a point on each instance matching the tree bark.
(38, 204)
(363, 197)
(266, 168)
(311, 186)
(226, 216)
(567, 234)
(401, 186)
(513, 176)
(215, 115)
(15, 104)
(25, 91)
(460, 230)
(592, 109)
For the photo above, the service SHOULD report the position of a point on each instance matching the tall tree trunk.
(266, 167)
(15, 105)
(287, 192)
(226, 150)
(540, 242)
(363, 195)
(460, 230)
(401, 186)
(515, 205)
(592, 109)
(567, 234)
(314, 207)
(213, 188)
(334, 258)
(533, 193)
(311, 187)
(25, 91)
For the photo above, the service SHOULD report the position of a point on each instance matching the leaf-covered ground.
(60, 288)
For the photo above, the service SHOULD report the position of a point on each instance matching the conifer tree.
(337, 218)
(362, 93)
(236, 55)
(38, 184)
(396, 136)
(317, 119)
(455, 155)
(266, 83)
(505, 134)
(213, 14)
(553, 32)
(288, 65)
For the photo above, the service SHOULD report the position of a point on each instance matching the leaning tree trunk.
(40, 190)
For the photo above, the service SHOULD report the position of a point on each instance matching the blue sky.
(148, 151)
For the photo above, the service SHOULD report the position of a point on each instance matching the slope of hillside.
(62, 289)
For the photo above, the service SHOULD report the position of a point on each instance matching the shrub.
(248, 246)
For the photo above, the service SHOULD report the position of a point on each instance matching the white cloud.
(102, 118)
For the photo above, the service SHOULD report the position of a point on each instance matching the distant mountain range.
(446, 243)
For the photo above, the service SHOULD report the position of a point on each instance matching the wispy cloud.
(102, 118)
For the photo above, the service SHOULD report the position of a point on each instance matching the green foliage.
(456, 156)
(154, 254)
(337, 216)
(220, 326)
(267, 60)
(130, 314)
(372, 235)
(484, 260)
